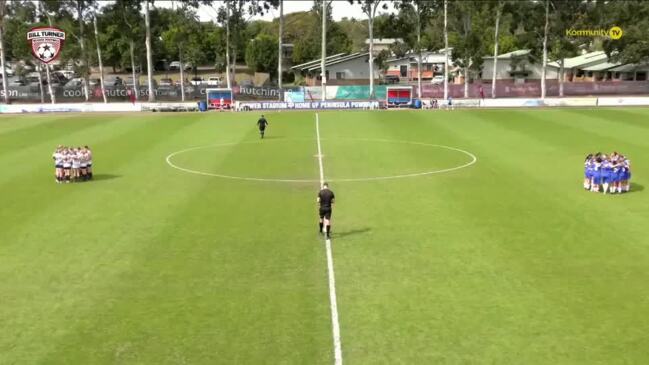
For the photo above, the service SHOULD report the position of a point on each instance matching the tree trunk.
(82, 45)
(495, 69)
(49, 84)
(149, 54)
(445, 50)
(323, 52)
(279, 55)
(370, 24)
(101, 65)
(466, 82)
(2, 52)
(47, 70)
(561, 76)
(233, 64)
(40, 82)
(135, 79)
(545, 48)
(227, 45)
(182, 74)
(419, 54)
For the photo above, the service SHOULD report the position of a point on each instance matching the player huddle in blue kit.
(610, 172)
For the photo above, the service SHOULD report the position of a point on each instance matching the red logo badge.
(46, 43)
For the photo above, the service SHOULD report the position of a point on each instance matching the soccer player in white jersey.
(89, 163)
(67, 165)
(57, 156)
(76, 164)
(83, 162)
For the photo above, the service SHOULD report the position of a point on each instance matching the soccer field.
(460, 237)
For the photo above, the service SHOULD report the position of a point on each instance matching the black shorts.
(261, 129)
(325, 213)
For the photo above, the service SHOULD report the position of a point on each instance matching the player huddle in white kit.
(72, 164)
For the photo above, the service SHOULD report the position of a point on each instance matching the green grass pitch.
(505, 261)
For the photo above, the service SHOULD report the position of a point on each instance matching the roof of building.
(602, 66)
(346, 58)
(384, 40)
(311, 63)
(631, 67)
(426, 57)
(582, 60)
(509, 55)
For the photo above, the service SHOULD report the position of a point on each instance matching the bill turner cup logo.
(46, 43)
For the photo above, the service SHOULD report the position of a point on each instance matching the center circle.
(353, 159)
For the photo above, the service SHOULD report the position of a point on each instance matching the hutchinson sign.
(46, 43)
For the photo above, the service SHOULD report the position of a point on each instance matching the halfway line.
(335, 325)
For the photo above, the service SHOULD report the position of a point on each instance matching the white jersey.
(58, 158)
(67, 161)
(76, 160)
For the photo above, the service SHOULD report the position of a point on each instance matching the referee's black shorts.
(325, 213)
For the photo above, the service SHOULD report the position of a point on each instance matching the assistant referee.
(326, 199)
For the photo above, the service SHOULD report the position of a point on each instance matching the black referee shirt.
(326, 198)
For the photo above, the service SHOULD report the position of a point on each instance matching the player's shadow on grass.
(101, 177)
(273, 137)
(352, 232)
(636, 188)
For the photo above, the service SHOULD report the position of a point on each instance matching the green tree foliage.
(633, 17)
(261, 54)
(307, 46)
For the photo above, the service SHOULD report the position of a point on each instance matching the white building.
(341, 69)
(516, 66)
(432, 64)
(381, 44)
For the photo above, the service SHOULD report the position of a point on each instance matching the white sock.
(605, 188)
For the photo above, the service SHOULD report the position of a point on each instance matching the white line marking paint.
(474, 159)
(335, 324)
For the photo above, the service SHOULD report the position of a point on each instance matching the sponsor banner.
(314, 93)
(604, 101)
(266, 93)
(570, 102)
(513, 103)
(294, 96)
(274, 105)
(67, 107)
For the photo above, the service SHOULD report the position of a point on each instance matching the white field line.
(335, 324)
(473, 158)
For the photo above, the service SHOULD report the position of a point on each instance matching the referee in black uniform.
(262, 123)
(326, 199)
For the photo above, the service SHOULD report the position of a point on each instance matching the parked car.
(391, 79)
(65, 73)
(33, 81)
(129, 81)
(246, 83)
(17, 81)
(113, 81)
(166, 82)
(138, 69)
(437, 80)
(175, 66)
(214, 81)
(196, 81)
(161, 65)
(9, 71)
(78, 82)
